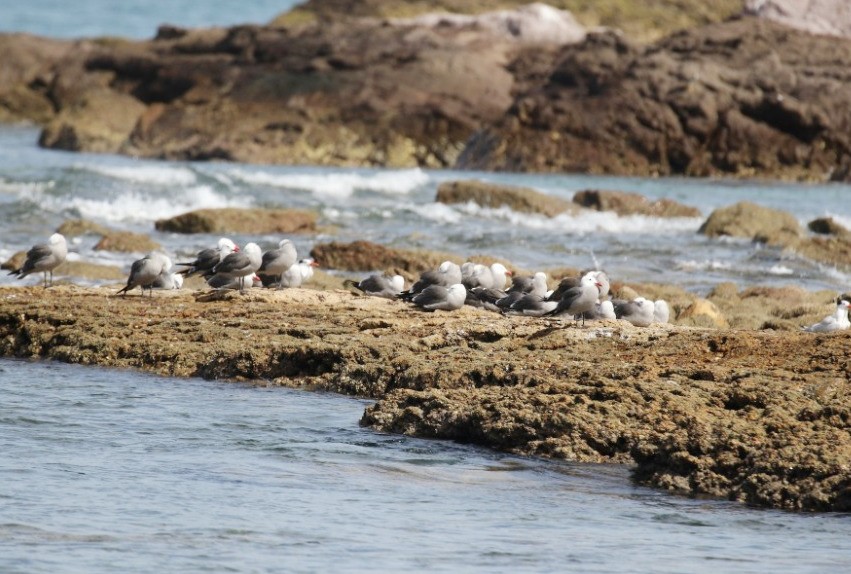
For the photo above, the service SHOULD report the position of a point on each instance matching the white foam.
(25, 188)
(693, 265)
(588, 222)
(338, 185)
(139, 207)
(780, 270)
(145, 173)
(439, 212)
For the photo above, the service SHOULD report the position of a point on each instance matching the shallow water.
(40, 188)
(106, 470)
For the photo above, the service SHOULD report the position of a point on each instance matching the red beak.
(236, 248)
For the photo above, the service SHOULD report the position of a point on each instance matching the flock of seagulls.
(447, 288)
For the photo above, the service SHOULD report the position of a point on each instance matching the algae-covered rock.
(126, 242)
(235, 220)
(625, 203)
(752, 221)
(493, 195)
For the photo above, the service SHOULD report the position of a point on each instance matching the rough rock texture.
(746, 97)
(369, 256)
(520, 199)
(126, 242)
(827, 226)
(831, 17)
(236, 220)
(624, 203)
(778, 228)
(646, 20)
(756, 416)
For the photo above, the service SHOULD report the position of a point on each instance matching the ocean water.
(106, 471)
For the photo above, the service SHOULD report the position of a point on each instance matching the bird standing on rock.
(580, 299)
(276, 262)
(44, 258)
(447, 274)
(206, 259)
(146, 271)
(240, 265)
(297, 274)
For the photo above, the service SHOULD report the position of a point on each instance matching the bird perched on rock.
(661, 312)
(838, 321)
(146, 271)
(206, 259)
(379, 285)
(44, 258)
(639, 311)
(277, 261)
(240, 265)
(438, 297)
(580, 299)
(299, 273)
(446, 274)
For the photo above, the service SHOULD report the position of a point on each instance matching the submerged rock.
(235, 220)
(752, 221)
(625, 203)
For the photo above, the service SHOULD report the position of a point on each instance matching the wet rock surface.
(520, 199)
(755, 416)
(624, 203)
(236, 220)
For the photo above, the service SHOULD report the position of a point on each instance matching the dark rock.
(827, 226)
(624, 203)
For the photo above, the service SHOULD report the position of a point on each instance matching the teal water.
(106, 471)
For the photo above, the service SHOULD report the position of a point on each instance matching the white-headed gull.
(838, 321)
(44, 258)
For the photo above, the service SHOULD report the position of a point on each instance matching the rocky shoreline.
(525, 89)
(755, 416)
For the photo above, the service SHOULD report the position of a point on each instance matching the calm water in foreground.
(107, 471)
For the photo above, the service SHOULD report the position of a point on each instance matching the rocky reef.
(755, 416)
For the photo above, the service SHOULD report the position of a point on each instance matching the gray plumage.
(145, 271)
(277, 261)
(44, 259)
(379, 285)
(206, 259)
(579, 299)
(239, 265)
(447, 274)
(437, 297)
(639, 311)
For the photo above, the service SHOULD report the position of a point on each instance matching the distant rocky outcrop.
(521, 199)
(369, 256)
(831, 17)
(237, 220)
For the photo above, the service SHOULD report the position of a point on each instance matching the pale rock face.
(826, 17)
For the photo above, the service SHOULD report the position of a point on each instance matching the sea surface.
(105, 471)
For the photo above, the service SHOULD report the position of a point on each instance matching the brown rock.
(78, 227)
(625, 203)
(235, 220)
(16, 261)
(702, 313)
(368, 256)
(521, 199)
(126, 242)
(746, 219)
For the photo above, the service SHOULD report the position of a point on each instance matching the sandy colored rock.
(236, 220)
(704, 313)
(625, 203)
(77, 227)
(831, 17)
(126, 242)
(754, 416)
(369, 256)
(521, 199)
(752, 221)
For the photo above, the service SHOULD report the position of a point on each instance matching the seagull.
(276, 262)
(44, 258)
(168, 280)
(297, 274)
(580, 299)
(570, 282)
(379, 285)
(145, 271)
(661, 312)
(478, 275)
(640, 311)
(240, 265)
(436, 297)
(836, 322)
(531, 305)
(447, 274)
(206, 259)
